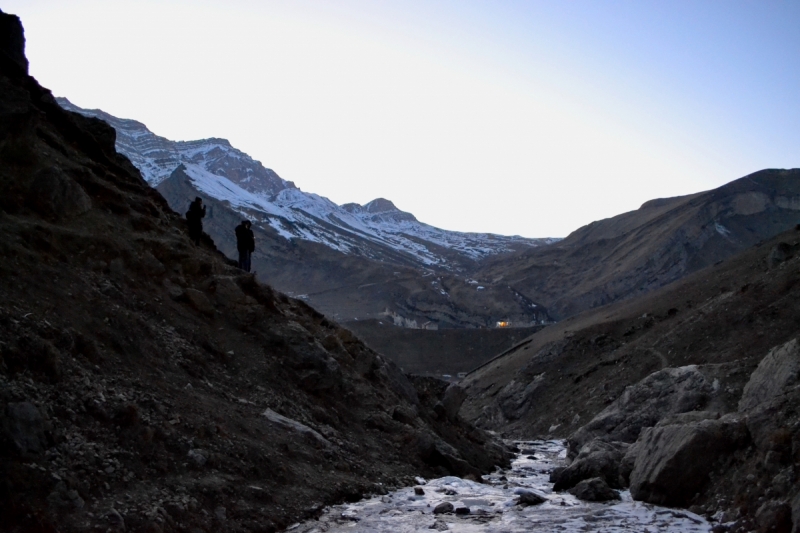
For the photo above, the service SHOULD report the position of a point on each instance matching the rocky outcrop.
(663, 393)
(749, 458)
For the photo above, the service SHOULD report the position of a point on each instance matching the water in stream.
(493, 506)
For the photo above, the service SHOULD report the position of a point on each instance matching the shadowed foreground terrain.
(147, 385)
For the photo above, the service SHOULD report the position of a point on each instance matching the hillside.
(664, 240)
(147, 385)
(674, 381)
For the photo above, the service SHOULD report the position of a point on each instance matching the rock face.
(673, 461)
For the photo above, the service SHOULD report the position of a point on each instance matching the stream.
(493, 506)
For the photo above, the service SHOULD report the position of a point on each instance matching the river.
(493, 506)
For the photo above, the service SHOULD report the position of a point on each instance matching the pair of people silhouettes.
(245, 240)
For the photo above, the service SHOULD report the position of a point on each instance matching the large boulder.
(597, 459)
(777, 372)
(22, 429)
(663, 393)
(674, 460)
(594, 490)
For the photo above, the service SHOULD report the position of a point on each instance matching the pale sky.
(530, 118)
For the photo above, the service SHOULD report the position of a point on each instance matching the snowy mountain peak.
(375, 230)
(157, 157)
(379, 205)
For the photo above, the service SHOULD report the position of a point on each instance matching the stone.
(594, 490)
(597, 458)
(289, 424)
(674, 461)
(199, 302)
(115, 518)
(452, 400)
(24, 428)
(462, 510)
(779, 370)
(54, 194)
(774, 516)
(439, 525)
(419, 491)
(198, 457)
(530, 497)
(796, 513)
(442, 508)
(663, 393)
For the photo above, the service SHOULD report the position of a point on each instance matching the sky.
(527, 118)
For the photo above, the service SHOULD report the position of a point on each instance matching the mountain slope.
(146, 384)
(677, 358)
(661, 242)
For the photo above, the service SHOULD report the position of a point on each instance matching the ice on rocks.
(493, 505)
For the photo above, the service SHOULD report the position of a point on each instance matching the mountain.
(662, 241)
(148, 385)
(225, 173)
(351, 262)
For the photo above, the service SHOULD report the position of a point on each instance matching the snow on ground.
(493, 508)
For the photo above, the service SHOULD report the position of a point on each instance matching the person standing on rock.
(195, 215)
(245, 243)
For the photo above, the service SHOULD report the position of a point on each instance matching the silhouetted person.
(245, 243)
(195, 216)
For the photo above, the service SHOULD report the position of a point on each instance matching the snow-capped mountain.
(219, 170)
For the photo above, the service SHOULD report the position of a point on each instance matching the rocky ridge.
(148, 385)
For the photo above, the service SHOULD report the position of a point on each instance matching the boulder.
(596, 459)
(199, 302)
(779, 370)
(452, 400)
(54, 194)
(774, 516)
(673, 461)
(23, 429)
(594, 490)
(663, 393)
(442, 508)
(530, 497)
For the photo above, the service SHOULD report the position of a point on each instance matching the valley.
(148, 384)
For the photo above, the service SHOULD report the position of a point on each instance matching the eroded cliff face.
(146, 384)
